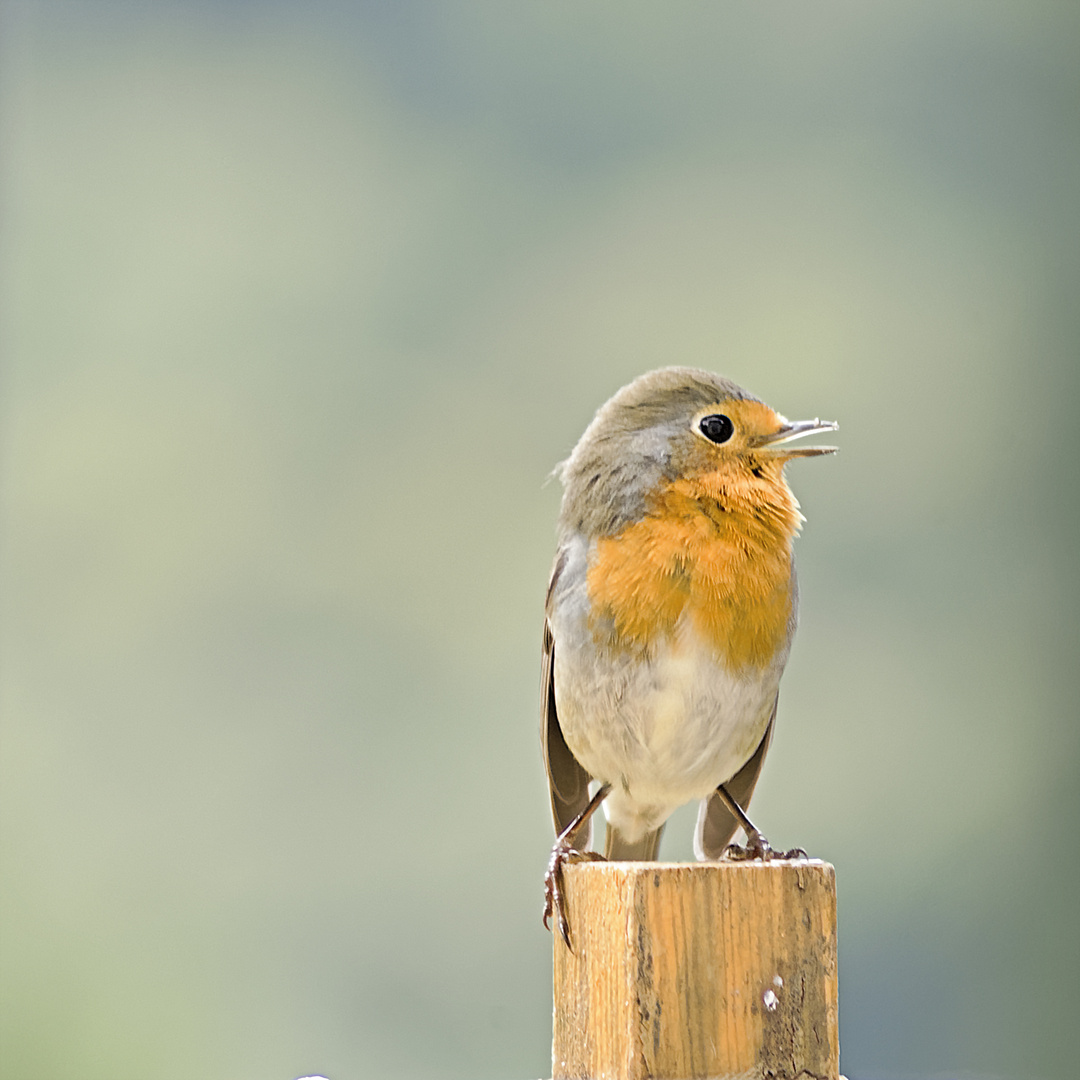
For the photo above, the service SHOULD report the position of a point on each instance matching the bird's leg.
(562, 853)
(757, 847)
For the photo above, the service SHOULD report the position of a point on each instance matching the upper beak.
(796, 430)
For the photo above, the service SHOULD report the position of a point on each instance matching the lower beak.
(776, 443)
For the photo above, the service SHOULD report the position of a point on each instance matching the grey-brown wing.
(716, 826)
(567, 779)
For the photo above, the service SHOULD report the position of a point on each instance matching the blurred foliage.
(300, 307)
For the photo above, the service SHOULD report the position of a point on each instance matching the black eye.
(717, 428)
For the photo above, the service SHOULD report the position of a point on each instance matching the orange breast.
(708, 553)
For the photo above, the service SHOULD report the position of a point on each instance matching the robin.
(669, 617)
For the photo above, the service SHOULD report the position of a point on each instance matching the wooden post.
(689, 970)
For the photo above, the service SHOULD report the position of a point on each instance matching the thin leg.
(562, 853)
(757, 847)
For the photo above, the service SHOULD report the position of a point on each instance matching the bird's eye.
(717, 428)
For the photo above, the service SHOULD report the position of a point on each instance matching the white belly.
(664, 731)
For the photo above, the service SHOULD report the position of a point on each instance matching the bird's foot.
(554, 896)
(758, 848)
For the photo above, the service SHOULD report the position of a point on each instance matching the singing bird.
(669, 616)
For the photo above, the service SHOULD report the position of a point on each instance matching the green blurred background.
(301, 304)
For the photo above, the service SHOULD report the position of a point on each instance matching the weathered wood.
(698, 970)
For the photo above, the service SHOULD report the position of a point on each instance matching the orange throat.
(713, 555)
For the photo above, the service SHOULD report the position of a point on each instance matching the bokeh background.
(301, 303)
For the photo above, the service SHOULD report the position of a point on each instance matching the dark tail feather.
(616, 849)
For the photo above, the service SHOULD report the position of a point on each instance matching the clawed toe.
(554, 895)
(758, 848)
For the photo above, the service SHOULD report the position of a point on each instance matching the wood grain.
(698, 970)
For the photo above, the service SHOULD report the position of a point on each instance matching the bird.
(669, 617)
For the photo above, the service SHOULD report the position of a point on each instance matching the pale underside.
(663, 729)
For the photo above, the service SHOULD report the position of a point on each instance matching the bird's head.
(679, 426)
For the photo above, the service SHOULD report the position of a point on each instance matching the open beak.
(776, 443)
